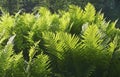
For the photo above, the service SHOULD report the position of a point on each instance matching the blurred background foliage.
(110, 8)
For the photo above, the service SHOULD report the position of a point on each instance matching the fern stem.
(28, 69)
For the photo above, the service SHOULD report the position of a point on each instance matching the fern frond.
(110, 30)
(53, 43)
(40, 66)
(65, 22)
(92, 37)
(76, 18)
(89, 13)
(7, 22)
(5, 55)
(44, 11)
(59, 42)
(17, 68)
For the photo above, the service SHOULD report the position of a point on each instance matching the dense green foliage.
(111, 8)
(73, 43)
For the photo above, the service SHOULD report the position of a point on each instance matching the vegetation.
(109, 7)
(72, 43)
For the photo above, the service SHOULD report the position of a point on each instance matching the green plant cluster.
(73, 43)
(109, 7)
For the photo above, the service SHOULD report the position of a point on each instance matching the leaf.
(33, 51)
(92, 37)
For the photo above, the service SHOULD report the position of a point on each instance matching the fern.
(73, 43)
(76, 14)
(6, 24)
(40, 66)
(5, 55)
(89, 13)
(62, 47)
(92, 37)
(12, 65)
(21, 29)
(65, 22)
(17, 68)
(92, 43)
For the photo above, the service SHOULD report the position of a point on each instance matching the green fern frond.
(2, 37)
(44, 11)
(53, 43)
(76, 18)
(7, 22)
(17, 68)
(40, 66)
(22, 27)
(5, 55)
(110, 30)
(99, 18)
(27, 19)
(71, 41)
(92, 37)
(32, 51)
(60, 42)
(65, 22)
(89, 13)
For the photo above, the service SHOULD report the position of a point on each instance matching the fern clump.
(73, 43)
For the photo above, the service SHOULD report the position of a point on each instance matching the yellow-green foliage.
(73, 43)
